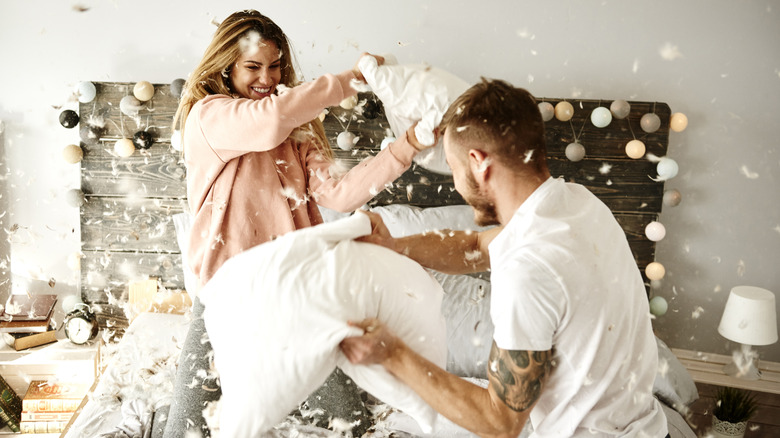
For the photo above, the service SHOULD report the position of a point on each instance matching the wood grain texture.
(127, 231)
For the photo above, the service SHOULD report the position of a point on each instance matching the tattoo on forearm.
(517, 376)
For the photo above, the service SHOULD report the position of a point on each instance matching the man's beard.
(484, 209)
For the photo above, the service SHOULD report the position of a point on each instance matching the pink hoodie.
(248, 181)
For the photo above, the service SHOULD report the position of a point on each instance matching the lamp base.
(744, 364)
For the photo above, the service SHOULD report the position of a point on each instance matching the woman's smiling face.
(257, 72)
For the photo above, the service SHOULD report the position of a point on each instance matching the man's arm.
(516, 379)
(448, 251)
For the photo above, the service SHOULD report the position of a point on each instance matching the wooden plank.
(153, 173)
(129, 224)
(105, 275)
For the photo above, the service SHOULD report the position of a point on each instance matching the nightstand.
(707, 371)
(62, 360)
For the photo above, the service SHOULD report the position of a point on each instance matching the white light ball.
(667, 168)
(74, 261)
(86, 91)
(130, 106)
(655, 231)
(575, 152)
(349, 102)
(75, 198)
(143, 91)
(655, 271)
(69, 302)
(72, 153)
(564, 111)
(620, 109)
(635, 149)
(658, 306)
(678, 122)
(386, 141)
(124, 147)
(672, 198)
(547, 110)
(176, 140)
(346, 140)
(650, 122)
(601, 117)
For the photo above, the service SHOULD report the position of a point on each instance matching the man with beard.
(573, 348)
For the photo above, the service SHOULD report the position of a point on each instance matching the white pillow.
(276, 313)
(182, 222)
(411, 93)
(673, 383)
(404, 220)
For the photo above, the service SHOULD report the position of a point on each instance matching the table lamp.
(749, 318)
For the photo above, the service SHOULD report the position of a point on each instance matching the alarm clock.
(81, 325)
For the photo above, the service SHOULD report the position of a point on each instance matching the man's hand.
(376, 346)
(380, 235)
(411, 137)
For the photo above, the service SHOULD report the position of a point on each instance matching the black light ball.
(143, 140)
(371, 109)
(69, 119)
(177, 86)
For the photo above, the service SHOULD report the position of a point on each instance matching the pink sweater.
(248, 181)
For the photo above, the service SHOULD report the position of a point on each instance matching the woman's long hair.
(212, 75)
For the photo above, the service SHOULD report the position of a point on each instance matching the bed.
(135, 388)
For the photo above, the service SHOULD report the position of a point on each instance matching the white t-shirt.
(563, 277)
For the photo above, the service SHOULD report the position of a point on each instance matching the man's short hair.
(503, 121)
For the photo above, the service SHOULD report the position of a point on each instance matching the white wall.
(716, 61)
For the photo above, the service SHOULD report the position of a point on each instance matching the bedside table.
(62, 360)
(706, 369)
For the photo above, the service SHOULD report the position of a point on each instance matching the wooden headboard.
(127, 232)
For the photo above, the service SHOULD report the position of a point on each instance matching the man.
(573, 347)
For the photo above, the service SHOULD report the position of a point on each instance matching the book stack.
(25, 320)
(48, 407)
(10, 407)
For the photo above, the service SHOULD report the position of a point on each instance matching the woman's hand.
(412, 138)
(356, 70)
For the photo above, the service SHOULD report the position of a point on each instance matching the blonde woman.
(258, 165)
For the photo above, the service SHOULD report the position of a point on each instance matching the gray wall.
(716, 61)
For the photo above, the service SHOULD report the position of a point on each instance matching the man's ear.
(479, 163)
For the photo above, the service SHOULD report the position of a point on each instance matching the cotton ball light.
(678, 122)
(143, 90)
(667, 168)
(564, 111)
(650, 122)
(547, 110)
(176, 141)
(177, 87)
(130, 106)
(86, 91)
(655, 231)
(655, 271)
(69, 119)
(124, 147)
(69, 303)
(620, 109)
(143, 140)
(386, 141)
(658, 306)
(635, 149)
(575, 152)
(346, 140)
(601, 117)
(672, 198)
(75, 198)
(349, 102)
(72, 153)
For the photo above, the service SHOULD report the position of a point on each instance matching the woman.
(258, 165)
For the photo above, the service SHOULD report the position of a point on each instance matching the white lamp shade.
(750, 316)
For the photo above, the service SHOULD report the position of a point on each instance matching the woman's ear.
(479, 163)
